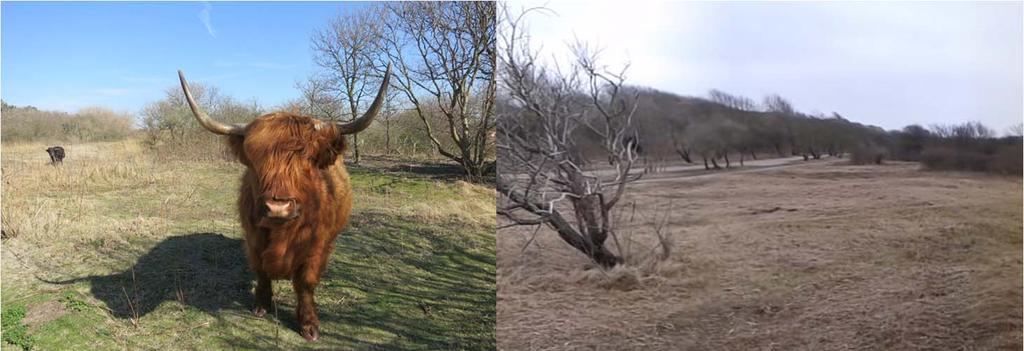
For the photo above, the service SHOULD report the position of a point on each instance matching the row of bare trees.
(724, 129)
(28, 123)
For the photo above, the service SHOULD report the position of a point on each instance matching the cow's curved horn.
(367, 118)
(204, 119)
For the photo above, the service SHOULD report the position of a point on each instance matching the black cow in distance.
(56, 155)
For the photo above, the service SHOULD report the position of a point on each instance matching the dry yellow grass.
(823, 256)
(42, 201)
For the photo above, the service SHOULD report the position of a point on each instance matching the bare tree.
(1015, 130)
(735, 101)
(345, 51)
(543, 169)
(320, 99)
(167, 120)
(387, 117)
(679, 143)
(709, 138)
(776, 103)
(445, 58)
(298, 106)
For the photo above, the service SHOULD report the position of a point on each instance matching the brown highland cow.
(295, 197)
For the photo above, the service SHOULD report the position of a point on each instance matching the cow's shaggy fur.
(300, 158)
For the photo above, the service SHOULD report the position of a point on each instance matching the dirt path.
(823, 256)
(673, 173)
(764, 162)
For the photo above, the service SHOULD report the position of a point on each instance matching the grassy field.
(816, 256)
(114, 250)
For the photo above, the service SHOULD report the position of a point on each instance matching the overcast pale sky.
(886, 64)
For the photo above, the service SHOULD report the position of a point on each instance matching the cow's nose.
(281, 208)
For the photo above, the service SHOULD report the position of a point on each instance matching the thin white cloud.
(204, 16)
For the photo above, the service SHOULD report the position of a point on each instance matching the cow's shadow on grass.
(206, 271)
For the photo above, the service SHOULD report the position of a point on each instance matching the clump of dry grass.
(650, 271)
(35, 219)
(644, 242)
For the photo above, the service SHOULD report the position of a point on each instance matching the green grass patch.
(70, 300)
(14, 331)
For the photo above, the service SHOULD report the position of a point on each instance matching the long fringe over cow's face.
(287, 153)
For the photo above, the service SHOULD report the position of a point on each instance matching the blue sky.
(883, 63)
(69, 55)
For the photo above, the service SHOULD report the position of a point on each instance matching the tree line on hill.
(722, 129)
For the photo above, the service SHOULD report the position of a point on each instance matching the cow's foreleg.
(255, 243)
(264, 294)
(305, 281)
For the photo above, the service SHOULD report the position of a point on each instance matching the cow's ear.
(235, 144)
(332, 146)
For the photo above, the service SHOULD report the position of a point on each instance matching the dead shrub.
(1008, 160)
(867, 155)
(948, 158)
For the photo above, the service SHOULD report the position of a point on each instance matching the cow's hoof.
(259, 311)
(310, 332)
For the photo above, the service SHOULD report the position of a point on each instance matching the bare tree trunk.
(590, 243)
(355, 148)
(387, 136)
(684, 154)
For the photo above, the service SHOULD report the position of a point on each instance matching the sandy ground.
(821, 256)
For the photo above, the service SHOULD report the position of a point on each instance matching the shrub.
(1008, 160)
(173, 133)
(972, 147)
(89, 124)
(867, 155)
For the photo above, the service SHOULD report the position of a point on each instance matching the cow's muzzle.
(278, 208)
